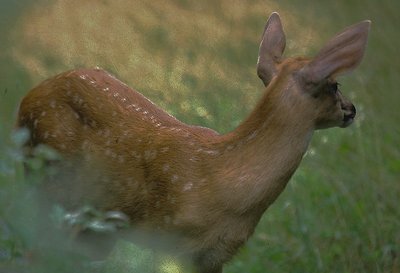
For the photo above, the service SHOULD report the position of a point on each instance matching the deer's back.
(118, 149)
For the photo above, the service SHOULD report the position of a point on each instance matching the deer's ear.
(341, 54)
(271, 48)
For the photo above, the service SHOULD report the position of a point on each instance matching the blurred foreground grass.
(197, 60)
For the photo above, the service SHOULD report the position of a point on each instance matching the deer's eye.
(333, 87)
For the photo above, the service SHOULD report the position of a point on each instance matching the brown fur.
(121, 152)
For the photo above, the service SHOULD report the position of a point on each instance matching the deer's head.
(313, 81)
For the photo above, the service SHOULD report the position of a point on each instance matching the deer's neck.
(261, 155)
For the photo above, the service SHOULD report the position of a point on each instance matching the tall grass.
(196, 59)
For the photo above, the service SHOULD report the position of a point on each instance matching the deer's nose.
(349, 113)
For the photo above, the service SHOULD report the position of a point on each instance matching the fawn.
(121, 152)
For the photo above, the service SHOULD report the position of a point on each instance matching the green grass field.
(196, 59)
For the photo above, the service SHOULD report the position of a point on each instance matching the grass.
(340, 211)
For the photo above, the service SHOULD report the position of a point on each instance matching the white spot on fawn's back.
(150, 155)
(252, 135)
(174, 178)
(135, 155)
(229, 148)
(165, 168)
(164, 149)
(131, 105)
(212, 152)
(188, 186)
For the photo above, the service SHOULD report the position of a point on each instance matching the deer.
(120, 152)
